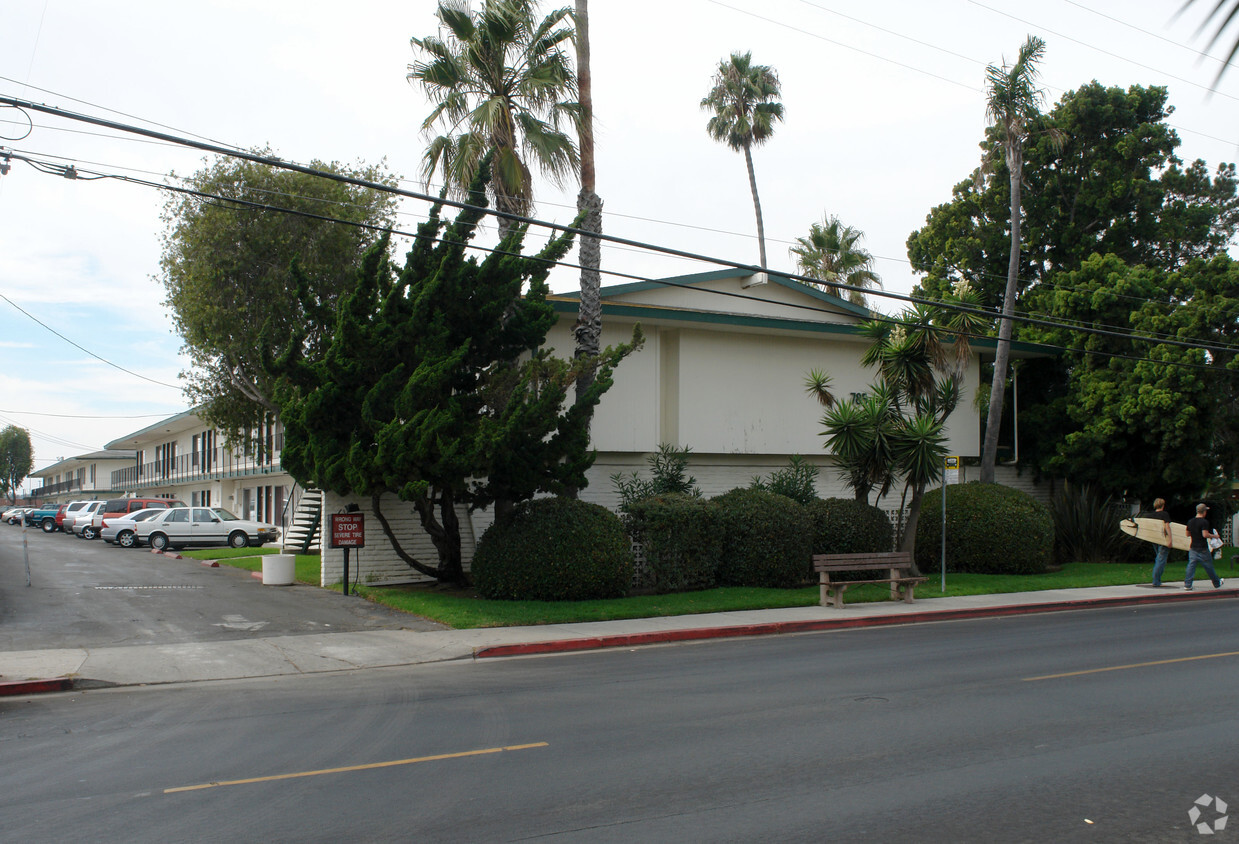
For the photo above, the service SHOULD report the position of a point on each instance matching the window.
(178, 515)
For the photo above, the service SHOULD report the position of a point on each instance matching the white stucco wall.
(377, 563)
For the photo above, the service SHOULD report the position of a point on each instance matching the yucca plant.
(1086, 527)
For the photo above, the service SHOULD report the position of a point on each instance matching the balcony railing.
(55, 489)
(212, 465)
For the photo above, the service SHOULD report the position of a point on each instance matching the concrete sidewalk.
(28, 672)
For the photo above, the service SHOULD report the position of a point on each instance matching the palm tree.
(745, 105)
(588, 327)
(501, 82)
(830, 254)
(1013, 108)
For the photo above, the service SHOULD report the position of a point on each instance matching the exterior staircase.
(305, 532)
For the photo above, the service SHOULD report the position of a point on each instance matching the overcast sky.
(885, 107)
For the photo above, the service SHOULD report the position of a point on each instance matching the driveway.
(91, 594)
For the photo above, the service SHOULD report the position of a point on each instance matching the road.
(88, 594)
(1100, 725)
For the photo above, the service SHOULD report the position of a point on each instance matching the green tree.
(744, 101)
(1131, 416)
(1113, 186)
(433, 386)
(896, 431)
(502, 85)
(1013, 107)
(226, 268)
(831, 253)
(16, 460)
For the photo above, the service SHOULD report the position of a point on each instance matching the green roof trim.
(637, 312)
(718, 275)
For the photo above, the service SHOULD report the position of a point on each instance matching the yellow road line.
(349, 768)
(1133, 665)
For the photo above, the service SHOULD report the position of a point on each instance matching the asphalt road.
(1100, 725)
(87, 594)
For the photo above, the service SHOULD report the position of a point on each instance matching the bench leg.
(823, 598)
(907, 593)
(839, 588)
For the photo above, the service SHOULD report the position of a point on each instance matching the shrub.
(848, 526)
(765, 539)
(553, 549)
(682, 539)
(798, 481)
(668, 474)
(990, 529)
(1086, 528)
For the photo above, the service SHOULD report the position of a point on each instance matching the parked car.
(15, 515)
(43, 517)
(179, 527)
(115, 508)
(67, 513)
(76, 522)
(119, 529)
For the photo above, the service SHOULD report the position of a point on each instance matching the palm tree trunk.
(1002, 355)
(761, 230)
(588, 327)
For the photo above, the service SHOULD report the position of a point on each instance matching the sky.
(884, 110)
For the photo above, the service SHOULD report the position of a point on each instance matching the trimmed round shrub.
(766, 539)
(990, 529)
(848, 526)
(553, 549)
(681, 538)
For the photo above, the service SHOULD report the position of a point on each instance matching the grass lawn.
(305, 569)
(462, 608)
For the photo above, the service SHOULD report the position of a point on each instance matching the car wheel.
(238, 539)
(125, 539)
(159, 542)
(49, 525)
(89, 533)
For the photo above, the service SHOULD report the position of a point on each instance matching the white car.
(178, 527)
(78, 522)
(13, 515)
(120, 531)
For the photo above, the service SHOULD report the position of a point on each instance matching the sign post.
(348, 530)
(950, 475)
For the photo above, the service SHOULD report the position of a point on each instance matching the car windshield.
(225, 515)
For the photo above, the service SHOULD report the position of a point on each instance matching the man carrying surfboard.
(1201, 532)
(1163, 551)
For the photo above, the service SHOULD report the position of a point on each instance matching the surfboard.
(1150, 530)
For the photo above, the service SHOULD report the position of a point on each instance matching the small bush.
(990, 529)
(848, 526)
(682, 539)
(766, 540)
(798, 481)
(553, 549)
(1086, 528)
(668, 474)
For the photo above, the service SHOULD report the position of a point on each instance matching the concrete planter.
(279, 569)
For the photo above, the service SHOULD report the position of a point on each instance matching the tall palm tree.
(502, 83)
(832, 255)
(588, 329)
(1013, 107)
(745, 103)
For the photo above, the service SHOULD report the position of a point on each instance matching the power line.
(83, 348)
(988, 314)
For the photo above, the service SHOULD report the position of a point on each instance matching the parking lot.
(87, 594)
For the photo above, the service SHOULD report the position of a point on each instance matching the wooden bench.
(892, 567)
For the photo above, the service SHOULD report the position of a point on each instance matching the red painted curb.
(166, 554)
(31, 687)
(807, 626)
